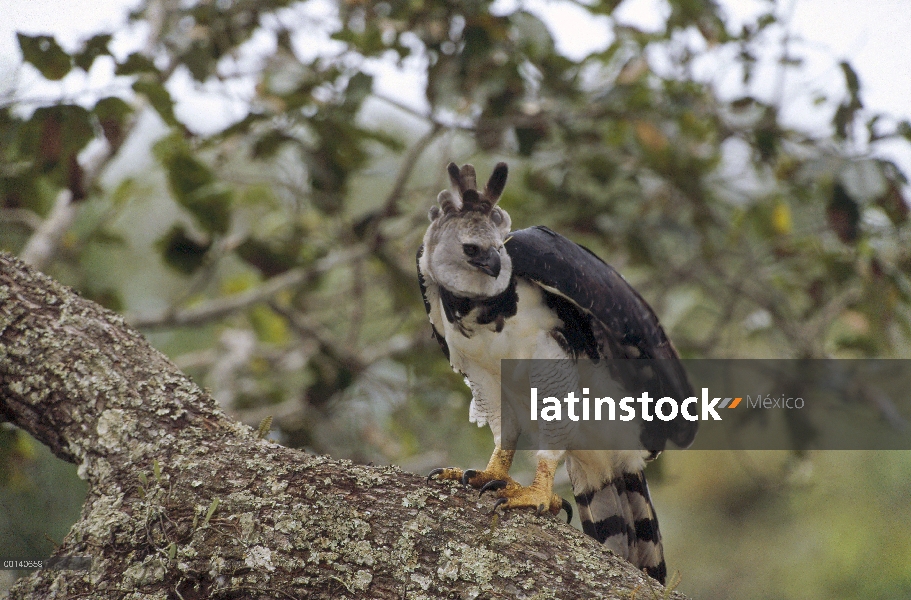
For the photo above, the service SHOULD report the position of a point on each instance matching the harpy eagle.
(492, 294)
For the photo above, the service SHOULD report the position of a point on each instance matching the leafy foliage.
(280, 248)
(46, 55)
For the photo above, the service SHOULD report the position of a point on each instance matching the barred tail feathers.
(616, 509)
(649, 549)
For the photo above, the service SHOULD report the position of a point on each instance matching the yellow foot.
(512, 495)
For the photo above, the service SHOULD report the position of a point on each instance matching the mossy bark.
(185, 503)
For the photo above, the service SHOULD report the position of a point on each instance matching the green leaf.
(844, 215)
(46, 55)
(212, 508)
(269, 326)
(241, 127)
(852, 82)
(894, 204)
(108, 298)
(159, 98)
(199, 60)
(528, 137)
(106, 236)
(96, 46)
(904, 130)
(605, 7)
(112, 107)
(194, 186)
(182, 252)
(359, 87)
(123, 192)
(765, 20)
(843, 119)
(271, 258)
(112, 113)
(767, 140)
(369, 42)
(136, 63)
(535, 38)
(64, 130)
(212, 208)
(53, 138)
(268, 144)
(186, 174)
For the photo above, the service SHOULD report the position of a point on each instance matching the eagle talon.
(492, 486)
(467, 475)
(498, 503)
(568, 508)
(445, 473)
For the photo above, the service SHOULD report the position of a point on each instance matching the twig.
(408, 165)
(735, 295)
(44, 241)
(21, 216)
(430, 118)
(403, 107)
(206, 273)
(356, 318)
(309, 329)
(221, 307)
(822, 320)
(787, 20)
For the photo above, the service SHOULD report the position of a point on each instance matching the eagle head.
(464, 245)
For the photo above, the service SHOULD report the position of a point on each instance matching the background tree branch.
(184, 502)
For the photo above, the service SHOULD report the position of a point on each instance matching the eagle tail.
(618, 512)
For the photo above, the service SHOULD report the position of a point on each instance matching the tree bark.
(185, 503)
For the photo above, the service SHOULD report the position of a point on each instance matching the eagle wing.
(604, 317)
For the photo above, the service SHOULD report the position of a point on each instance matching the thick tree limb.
(185, 503)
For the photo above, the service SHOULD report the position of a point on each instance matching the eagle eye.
(470, 250)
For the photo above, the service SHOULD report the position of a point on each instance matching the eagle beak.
(489, 263)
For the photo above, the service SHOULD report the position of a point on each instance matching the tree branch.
(43, 243)
(408, 165)
(221, 307)
(185, 503)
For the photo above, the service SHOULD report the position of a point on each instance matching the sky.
(872, 35)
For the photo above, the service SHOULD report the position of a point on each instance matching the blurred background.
(248, 181)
